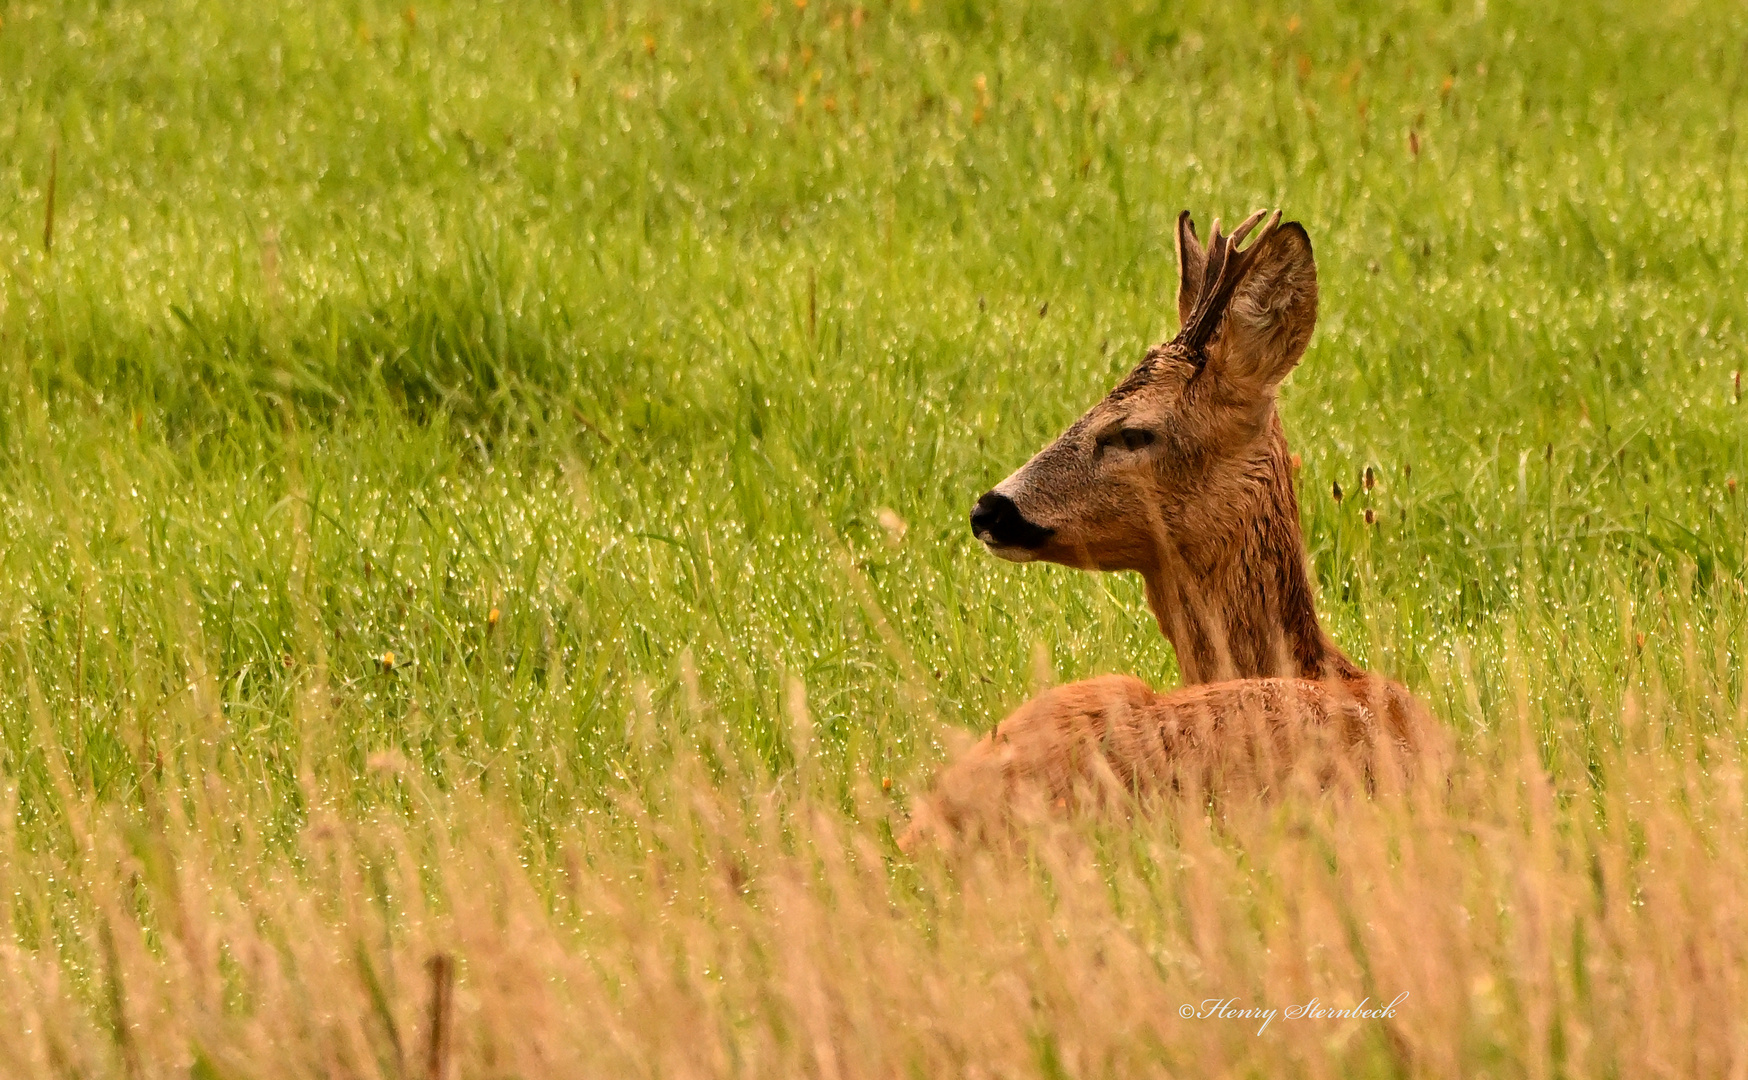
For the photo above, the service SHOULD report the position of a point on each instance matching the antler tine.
(1225, 270)
(1249, 223)
(1218, 249)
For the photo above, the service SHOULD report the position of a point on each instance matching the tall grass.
(1515, 922)
(486, 484)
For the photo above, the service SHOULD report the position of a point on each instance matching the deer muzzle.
(1004, 530)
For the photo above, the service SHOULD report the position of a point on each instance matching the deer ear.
(1192, 259)
(1268, 322)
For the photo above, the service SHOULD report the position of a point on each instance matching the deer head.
(1182, 467)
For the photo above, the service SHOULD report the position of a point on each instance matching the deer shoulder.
(1114, 740)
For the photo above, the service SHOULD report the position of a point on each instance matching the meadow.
(484, 570)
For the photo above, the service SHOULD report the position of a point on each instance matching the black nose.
(996, 520)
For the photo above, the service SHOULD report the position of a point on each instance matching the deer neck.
(1236, 603)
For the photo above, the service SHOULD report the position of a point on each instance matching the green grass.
(626, 322)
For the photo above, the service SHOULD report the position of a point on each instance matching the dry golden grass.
(748, 926)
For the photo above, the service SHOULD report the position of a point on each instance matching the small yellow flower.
(894, 525)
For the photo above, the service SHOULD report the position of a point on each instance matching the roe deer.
(1182, 474)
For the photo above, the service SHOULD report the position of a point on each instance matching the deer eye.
(1135, 438)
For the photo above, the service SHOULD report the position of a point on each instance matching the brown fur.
(1204, 508)
(1114, 735)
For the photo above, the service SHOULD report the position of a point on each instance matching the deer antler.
(1222, 273)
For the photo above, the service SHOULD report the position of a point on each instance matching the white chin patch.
(1011, 554)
